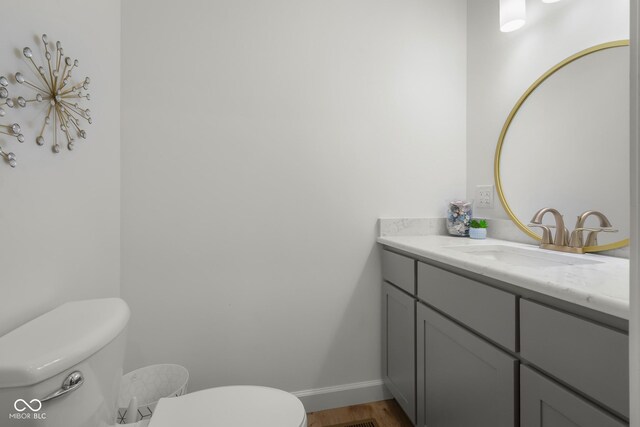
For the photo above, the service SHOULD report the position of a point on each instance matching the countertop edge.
(592, 300)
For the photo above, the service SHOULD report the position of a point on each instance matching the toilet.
(63, 369)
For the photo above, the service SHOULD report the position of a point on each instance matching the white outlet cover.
(484, 196)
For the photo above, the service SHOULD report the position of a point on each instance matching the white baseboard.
(319, 399)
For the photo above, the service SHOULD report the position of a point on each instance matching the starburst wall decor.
(11, 130)
(54, 86)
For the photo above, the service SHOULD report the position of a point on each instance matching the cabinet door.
(462, 380)
(589, 357)
(398, 347)
(547, 404)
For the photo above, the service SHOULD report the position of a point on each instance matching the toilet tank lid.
(59, 339)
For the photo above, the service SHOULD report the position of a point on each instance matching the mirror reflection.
(567, 146)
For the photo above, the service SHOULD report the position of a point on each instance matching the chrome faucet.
(564, 242)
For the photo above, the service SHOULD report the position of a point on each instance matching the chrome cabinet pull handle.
(71, 383)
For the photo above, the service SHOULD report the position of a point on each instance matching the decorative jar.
(459, 214)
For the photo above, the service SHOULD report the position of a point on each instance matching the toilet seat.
(236, 406)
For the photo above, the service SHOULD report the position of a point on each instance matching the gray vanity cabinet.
(462, 379)
(544, 403)
(400, 271)
(486, 310)
(460, 352)
(588, 356)
(398, 343)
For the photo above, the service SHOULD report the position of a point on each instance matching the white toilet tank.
(82, 342)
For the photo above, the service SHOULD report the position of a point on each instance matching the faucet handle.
(576, 240)
(592, 237)
(546, 232)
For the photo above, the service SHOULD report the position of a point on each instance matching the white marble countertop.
(603, 286)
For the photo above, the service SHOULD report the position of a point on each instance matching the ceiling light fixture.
(513, 15)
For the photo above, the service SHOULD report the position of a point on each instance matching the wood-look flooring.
(386, 412)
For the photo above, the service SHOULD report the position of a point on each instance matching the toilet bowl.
(63, 369)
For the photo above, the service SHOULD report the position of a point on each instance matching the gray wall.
(501, 66)
(60, 214)
(261, 141)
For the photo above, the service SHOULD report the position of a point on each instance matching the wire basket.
(148, 385)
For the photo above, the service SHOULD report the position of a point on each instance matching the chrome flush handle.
(71, 383)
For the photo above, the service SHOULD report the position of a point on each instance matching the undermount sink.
(522, 257)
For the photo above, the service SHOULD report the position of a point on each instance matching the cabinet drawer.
(399, 270)
(543, 403)
(589, 357)
(489, 311)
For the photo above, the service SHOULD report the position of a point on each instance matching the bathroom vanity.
(498, 334)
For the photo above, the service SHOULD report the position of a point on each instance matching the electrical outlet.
(484, 196)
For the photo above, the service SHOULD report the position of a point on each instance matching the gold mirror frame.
(507, 124)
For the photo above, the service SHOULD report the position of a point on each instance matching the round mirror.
(565, 144)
